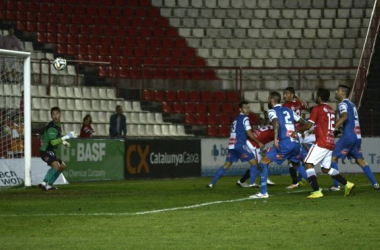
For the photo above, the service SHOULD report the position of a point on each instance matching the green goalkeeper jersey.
(51, 137)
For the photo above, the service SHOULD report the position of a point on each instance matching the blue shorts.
(241, 153)
(49, 157)
(289, 151)
(347, 147)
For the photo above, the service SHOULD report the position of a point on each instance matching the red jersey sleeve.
(314, 115)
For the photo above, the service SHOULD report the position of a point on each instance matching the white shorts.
(318, 155)
(255, 151)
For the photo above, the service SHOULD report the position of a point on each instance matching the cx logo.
(142, 156)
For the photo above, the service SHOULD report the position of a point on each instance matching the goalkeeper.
(51, 138)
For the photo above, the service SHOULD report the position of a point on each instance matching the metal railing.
(360, 83)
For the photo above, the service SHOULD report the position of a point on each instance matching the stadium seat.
(158, 95)
(167, 107)
(212, 131)
(200, 119)
(148, 95)
(227, 107)
(207, 96)
(170, 96)
(212, 119)
(178, 107)
(189, 118)
(213, 108)
(201, 107)
(224, 131)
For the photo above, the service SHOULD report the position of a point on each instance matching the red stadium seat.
(76, 19)
(155, 42)
(142, 41)
(149, 22)
(219, 96)
(55, 8)
(93, 50)
(161, 61)
(212, 119)
(200, 62)
(168, 42)
(79, 9)
(171, 32)
(87, 20)
(133, 31)
(99, 20)
(173, 62)
(210, 74)
(44, 8)
(213, 107)
(224, 119)
(145, 31)
(232, 96)
(124, 21)
(115, 11)
(159, 32)
(12, 5)
(73, 28)
(177, 52)
(67, 9)
(120, 31)
(162, 22)
(20, 16)
(72, 39)
(42, 17)
(190, 107)
(61, 38)
(182, 95)
(51, 38)
(181, 43)
(72, 49)
(164, 52)
(144, 3)
(141, 12)
(148, 95)
(127, 51)
(190, 52)
(167, 107)
(227, 108)
(124, 61)
(140, 52)
(207, 96)
(61, 49)
(51, 28)
(187, 62)
(197, 74)
(136, 61)
(201, 107)
(178, 107)
(224, 131)
(171, 73)
(170, 96)
(94, 40)
(200, 118)
(212, 131)
(129, 12)
(53, 18)
(130, 41)
(103, 11)
(21, 6)
(83, 49)
(115, 51)
(41, 27)
(106, 40)
(85, 30)
(30, 16)
(159, 95)
(194, 96)
(91, 10)
(41, 37)
(151, 52)
(109, 31)
(32, 6)
(189, 119)
(154, 12)
(104, 50)
(124, 72)
(159, 73)
(118, 41)
(20, 25)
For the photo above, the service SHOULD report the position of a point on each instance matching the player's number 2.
(287, 117)
(331, 121)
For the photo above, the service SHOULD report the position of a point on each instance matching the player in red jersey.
(264, 134)
(323, 117)
(296, 104)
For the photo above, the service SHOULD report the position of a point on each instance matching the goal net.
(15, 119)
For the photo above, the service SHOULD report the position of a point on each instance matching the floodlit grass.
(102, 215)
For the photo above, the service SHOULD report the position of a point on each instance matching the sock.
(368, 172)
(245, 176)
(334, 165)
(50, 173)
(263, 178)
(253, 174)
(54, 177)
(218, 174)
(336, 175)
(293, 174)
(312, 177)
(301, 170)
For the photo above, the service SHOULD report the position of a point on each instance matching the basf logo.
(219, 150)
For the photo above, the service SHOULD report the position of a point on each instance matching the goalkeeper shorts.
(49, 157)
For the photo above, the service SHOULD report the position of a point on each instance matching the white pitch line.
(152, 211)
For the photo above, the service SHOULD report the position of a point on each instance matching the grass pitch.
(184, 214)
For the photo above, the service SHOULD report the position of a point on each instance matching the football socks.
(312, 177)
(368, 172)
(263, 177)
(253, 173)
(218, 174)
(334, 165)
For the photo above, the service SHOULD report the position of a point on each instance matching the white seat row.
(244, 23)
(220, 4)
(156, 130)
(279, 53)
(260, 13)
(10, 89)
(43, 68)
(75, 92)
(283, 62)
(272, 33)
(10, 102)
(267, 43)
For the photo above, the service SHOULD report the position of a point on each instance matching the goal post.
(15, 72)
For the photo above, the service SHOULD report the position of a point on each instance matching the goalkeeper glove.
(66, 144)
(70, 135)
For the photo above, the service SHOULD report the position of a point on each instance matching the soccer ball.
(59, 63)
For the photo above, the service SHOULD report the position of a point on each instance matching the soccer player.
(265, 135)
(349, 144)
(295, 103)
(323, 117)
(51, 138)
(237, 146)
(285, 146)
